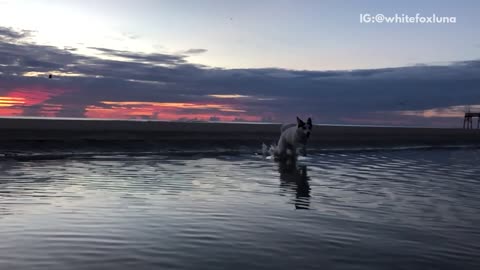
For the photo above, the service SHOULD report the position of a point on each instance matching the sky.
(240, 61)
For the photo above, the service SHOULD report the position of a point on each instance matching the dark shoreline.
(37, 131)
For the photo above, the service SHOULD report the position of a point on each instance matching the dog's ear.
(309, 122)
(300, 123)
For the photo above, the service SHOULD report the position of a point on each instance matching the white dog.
(293, 139)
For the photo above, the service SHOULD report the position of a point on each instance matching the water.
(409, 209)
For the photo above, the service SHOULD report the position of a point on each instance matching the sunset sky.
(239, 61)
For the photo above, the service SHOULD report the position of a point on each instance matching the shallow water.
(410, 209)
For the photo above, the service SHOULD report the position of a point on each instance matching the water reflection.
(123, 211)
(294, 177)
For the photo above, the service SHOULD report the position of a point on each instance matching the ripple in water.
(413, 209)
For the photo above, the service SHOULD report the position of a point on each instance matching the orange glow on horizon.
(166, 111)
(11, 101)
(14, 102)
(11, 111)
(50, 110)
(178, 105)
(34, 95)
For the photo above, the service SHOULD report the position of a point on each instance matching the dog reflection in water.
(294, 178)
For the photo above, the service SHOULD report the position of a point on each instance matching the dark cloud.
(25, 57)
(11, 34)
(154, 58)
(356, 96)
(195, 51)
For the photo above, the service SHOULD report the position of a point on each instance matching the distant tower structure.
(467, 108)
(468, 118)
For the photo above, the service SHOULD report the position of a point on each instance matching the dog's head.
(304, 129)
(303, 133)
